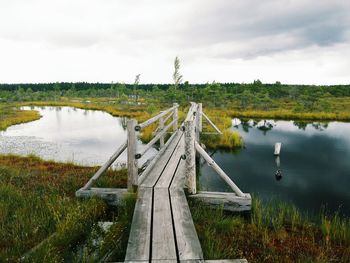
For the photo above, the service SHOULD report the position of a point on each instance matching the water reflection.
(315, 170)
(69, 134)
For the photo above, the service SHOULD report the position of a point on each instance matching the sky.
(291, 41)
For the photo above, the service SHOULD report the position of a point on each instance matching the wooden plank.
(155, 173)
(155, 159)
(169, 171)
(229, 201)
(180, 176)
(186, 236)
(163, 240)
(138, 248)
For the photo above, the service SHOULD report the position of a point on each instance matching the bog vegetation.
(39, 213)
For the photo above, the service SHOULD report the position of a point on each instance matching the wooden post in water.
(278, 146)
(132, 162)
(161, 128)
(175, 116)
(190, 154)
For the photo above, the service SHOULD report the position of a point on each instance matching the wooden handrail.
(154, 140)
(155, 118)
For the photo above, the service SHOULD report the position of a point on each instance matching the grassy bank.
(37, 201)
(275, 232)
(139, 112)
(10, 115)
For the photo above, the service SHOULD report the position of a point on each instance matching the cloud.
(114, 40)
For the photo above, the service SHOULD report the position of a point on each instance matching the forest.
(256, 95)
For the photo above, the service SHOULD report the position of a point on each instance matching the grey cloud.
(320, 23)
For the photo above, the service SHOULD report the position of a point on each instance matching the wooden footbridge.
(162, 227)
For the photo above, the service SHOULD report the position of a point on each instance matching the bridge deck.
(162, 228)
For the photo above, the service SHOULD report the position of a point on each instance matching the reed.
(274, 232)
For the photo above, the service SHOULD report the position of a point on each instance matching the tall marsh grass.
(274, 232)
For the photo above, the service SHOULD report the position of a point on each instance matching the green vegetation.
(249, 100)
(38, 209)
(11, 115)
(275, 232)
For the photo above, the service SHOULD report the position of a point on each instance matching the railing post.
(197, 124)
(132, 162)
(175, 116)
(200, 109)
(190, 154)
(161, 127)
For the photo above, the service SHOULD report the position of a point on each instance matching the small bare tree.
(177, 76)
(136, 83)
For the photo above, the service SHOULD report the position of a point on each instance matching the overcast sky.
(295, 41)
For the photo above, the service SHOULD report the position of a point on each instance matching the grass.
(275, 232)
(37, 201)
(11, 115)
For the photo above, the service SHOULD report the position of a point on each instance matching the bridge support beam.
(132, 162)
(190, 154)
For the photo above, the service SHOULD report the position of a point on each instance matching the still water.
(68, 134)
(314, 161)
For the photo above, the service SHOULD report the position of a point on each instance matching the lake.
(314, 161)
(83, 137)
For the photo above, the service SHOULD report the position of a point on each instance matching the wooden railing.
(131, 145)
(192, 128)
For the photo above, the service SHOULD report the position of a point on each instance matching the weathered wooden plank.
(163, 240)
(180, 176)
(155, 160)
(229, 201)
(169, 171)
(154, 174)
(138, 248)
(186, 236)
